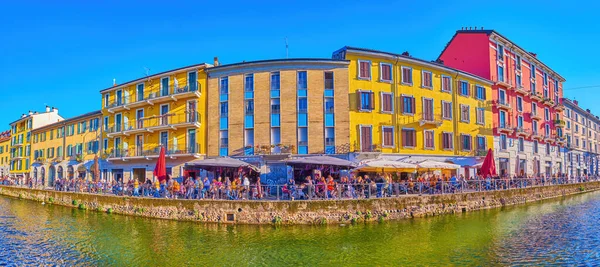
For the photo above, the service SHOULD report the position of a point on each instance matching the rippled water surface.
(555, 232)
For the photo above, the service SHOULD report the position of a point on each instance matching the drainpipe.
(396, 107)
(455, 115)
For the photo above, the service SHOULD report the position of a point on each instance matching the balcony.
(154, 97)
(520, 131)
(504, 84)
(152, 152)
(504, 128)
(548, 101)
(559, 107)
(18, 144)
(521, 90)
(559, 123)
(502, 104)
(430, 119)
(537, 136)
(549, 138)
(155, 123)
(535, 116)
(536, 96)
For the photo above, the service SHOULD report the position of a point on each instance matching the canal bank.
(299, 212)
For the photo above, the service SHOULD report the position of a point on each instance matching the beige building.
(582, 129)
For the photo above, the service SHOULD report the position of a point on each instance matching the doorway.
(139, 174)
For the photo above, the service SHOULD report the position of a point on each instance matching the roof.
(490, 32)
(280, 61)
(4, 136)
(85, 115)
(154, 75)
(570, 104)
(30, 116)
(414, 59)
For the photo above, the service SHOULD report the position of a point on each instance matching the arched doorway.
(35, 174)
(81, 172)
(51, 175)
(70, 172)
(43, 176)
(60, 172)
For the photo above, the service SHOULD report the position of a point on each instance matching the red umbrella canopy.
(489, 165)
(160, 170)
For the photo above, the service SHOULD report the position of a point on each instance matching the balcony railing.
(504, 127)
(534, 116)
(559, 123)
(188, 118)
(520, 131)
(153, 151)
(149, 95)
(430, 118)
(503, 103)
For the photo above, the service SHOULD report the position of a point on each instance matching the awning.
(222, 162)
(467, 162)
(383, 165)
(431, 164)
(320, 160)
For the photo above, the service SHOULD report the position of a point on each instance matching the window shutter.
(413, 105)
(414, 138)
(371, 100)
(358, 100)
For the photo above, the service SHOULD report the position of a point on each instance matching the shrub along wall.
(298, 212)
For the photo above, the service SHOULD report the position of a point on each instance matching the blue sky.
(62, 53)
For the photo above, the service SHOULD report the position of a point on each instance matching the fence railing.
(152, 94)
(155, 121)
(320, 191)
(154, 150)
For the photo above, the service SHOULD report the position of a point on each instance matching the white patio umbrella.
(432, 164)
(384, 165)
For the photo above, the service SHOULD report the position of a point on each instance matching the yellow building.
(403, 105)
(66, 149)
(4, 153)
(20, 152)
(140, 116)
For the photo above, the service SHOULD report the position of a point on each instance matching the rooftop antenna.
(287, 53)
(147, 71)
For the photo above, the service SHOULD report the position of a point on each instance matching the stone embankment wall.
(298, 212)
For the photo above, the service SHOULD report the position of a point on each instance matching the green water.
(554, 232)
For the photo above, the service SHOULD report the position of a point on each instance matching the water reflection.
(555, 232)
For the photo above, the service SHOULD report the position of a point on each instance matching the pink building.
(526, 100)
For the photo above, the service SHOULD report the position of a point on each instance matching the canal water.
(554, 232)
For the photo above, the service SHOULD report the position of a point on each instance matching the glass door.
(164, 86)
(164, 114)
(140, 92)
(193, 81)
(192, 141)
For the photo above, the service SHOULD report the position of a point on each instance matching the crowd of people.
(311, 187)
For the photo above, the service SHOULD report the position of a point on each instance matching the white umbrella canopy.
(384, 164)
(432, 164)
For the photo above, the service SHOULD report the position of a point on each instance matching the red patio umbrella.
(160, 170)
(489, 165)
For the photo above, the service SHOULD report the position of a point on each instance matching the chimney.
(588, 110)
(30, 113)
(533, 54)
(23, 116)
(55, 110)
(216, 61)
(47, 108)
(576, 102)
(114, 82)
(405, 53)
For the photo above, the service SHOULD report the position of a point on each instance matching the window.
(446, 83)
(466, 142)
(276, 107)
(408, 138)
(364, 69)
(519, 63)
(519, 104)
(532, 87)
(365, 101)
(428, 137)
(521, 144)
(480, 92)
(387, 103)
(447, 141)
(447, 110)
(547, 149)
(407, 76)
(224, 109)
(302, 80)
(520, 121)
(503, 144)
(481, 143)
(426, 79)
(545, 78)
(276, 81)
(480, 116)
(224, 86)
(500, 52)
(518, 81)
(464, 88)
(500, 73)
(303, 105)
(408, 105)
(249, 83)
(106, 103)
(329, 107)
(532, 71)
(388, 136)
(535, 146)
(249, 107)
(547, 130)
(328, 80)
(386, 72)
(464, 113)
(547, 114)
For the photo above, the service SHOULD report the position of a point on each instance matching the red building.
(526, 100)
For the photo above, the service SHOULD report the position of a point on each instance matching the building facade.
(4, 153)
(140, 116)
(582, 131)
(401, 105)
(264, 110)
(66, 149)
(20, 152)
(528, 128)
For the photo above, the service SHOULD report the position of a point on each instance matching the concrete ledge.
(298, 212)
